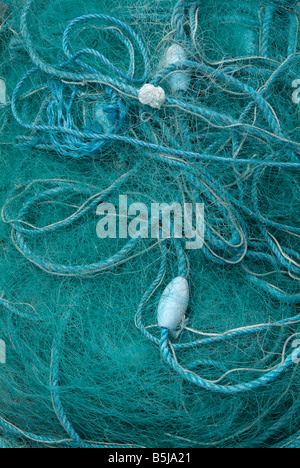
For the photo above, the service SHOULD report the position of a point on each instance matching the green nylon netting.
(114, 386)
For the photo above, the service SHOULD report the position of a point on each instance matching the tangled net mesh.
(78, 371)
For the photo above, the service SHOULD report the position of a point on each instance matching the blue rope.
(266, 29)
(70, 140)
(101, 58)
(266, 379)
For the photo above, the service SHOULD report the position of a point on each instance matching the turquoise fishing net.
(86, 364)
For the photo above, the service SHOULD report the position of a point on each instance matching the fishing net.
(86, 364)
